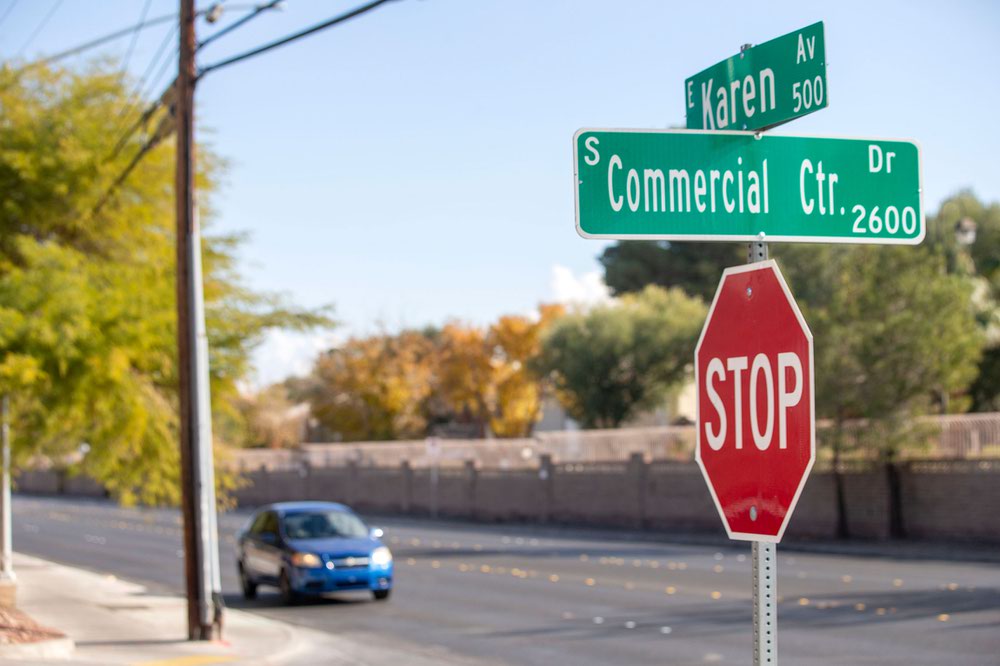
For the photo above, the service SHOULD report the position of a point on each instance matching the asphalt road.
(526, 595)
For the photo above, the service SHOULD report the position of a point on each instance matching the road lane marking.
(192, 660)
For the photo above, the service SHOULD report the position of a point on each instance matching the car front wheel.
(288, 595)
(249, 587)
(381, 595)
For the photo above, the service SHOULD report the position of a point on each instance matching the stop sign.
(756, 414)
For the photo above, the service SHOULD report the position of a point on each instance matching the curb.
(54, 648)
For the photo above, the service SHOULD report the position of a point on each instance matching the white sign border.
(744, 238)
(747, 536)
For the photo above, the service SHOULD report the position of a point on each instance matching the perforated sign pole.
(764, 562)
(763, 555)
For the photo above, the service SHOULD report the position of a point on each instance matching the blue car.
(312, 548)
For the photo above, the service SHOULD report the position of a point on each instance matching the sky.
(414, 165)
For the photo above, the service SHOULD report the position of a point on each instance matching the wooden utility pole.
(204, 603)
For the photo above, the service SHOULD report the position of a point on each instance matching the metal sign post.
(763, 561)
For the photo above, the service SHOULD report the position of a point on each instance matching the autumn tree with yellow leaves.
(400, 386)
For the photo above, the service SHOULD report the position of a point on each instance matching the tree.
(515, 404)
(629, 266)
(374, 388)
(87, 305)
(615, 360)
(977, 257)
(271, 419)
(464, 373)
(893, 332)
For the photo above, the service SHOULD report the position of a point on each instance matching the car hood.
(335, 546)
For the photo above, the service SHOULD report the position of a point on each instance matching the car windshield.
(323, 525)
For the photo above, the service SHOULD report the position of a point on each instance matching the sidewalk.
(112, 621)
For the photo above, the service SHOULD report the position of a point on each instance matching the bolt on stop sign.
(756, 414)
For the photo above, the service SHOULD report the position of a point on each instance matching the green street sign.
(763, 86)
(741, 186)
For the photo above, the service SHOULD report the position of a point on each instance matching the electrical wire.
(293, 37)
(10, 8)
(138, 94)
(41, 26)
(167, 125)
(156, 104)
(135, 37)
(94, 43)
(260, 9)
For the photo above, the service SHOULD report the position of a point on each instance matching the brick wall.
(939, 499)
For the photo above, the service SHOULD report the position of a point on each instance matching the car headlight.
(381, 556)
(307, 560)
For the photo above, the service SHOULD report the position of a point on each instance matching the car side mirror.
(269, 537)
(376, 532)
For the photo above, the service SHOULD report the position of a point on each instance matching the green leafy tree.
(893, 333)
(966, 233)
(87, 303)
(629, 266)
(615, 360)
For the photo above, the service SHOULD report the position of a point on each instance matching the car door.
(251, 546)
(269, 547)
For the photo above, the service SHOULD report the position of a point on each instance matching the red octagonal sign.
(756, 404)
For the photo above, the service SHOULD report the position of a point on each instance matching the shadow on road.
(266, 600)
(828, 611)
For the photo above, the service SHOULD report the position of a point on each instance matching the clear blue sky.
(415, 165)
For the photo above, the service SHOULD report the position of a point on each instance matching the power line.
(136, 96)
(10, 8)
(232, 26)
(163, 100)
(135, 37)
(86, 46)
(41, 26)
(165, 128)
(293, 37)
(168, 124)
